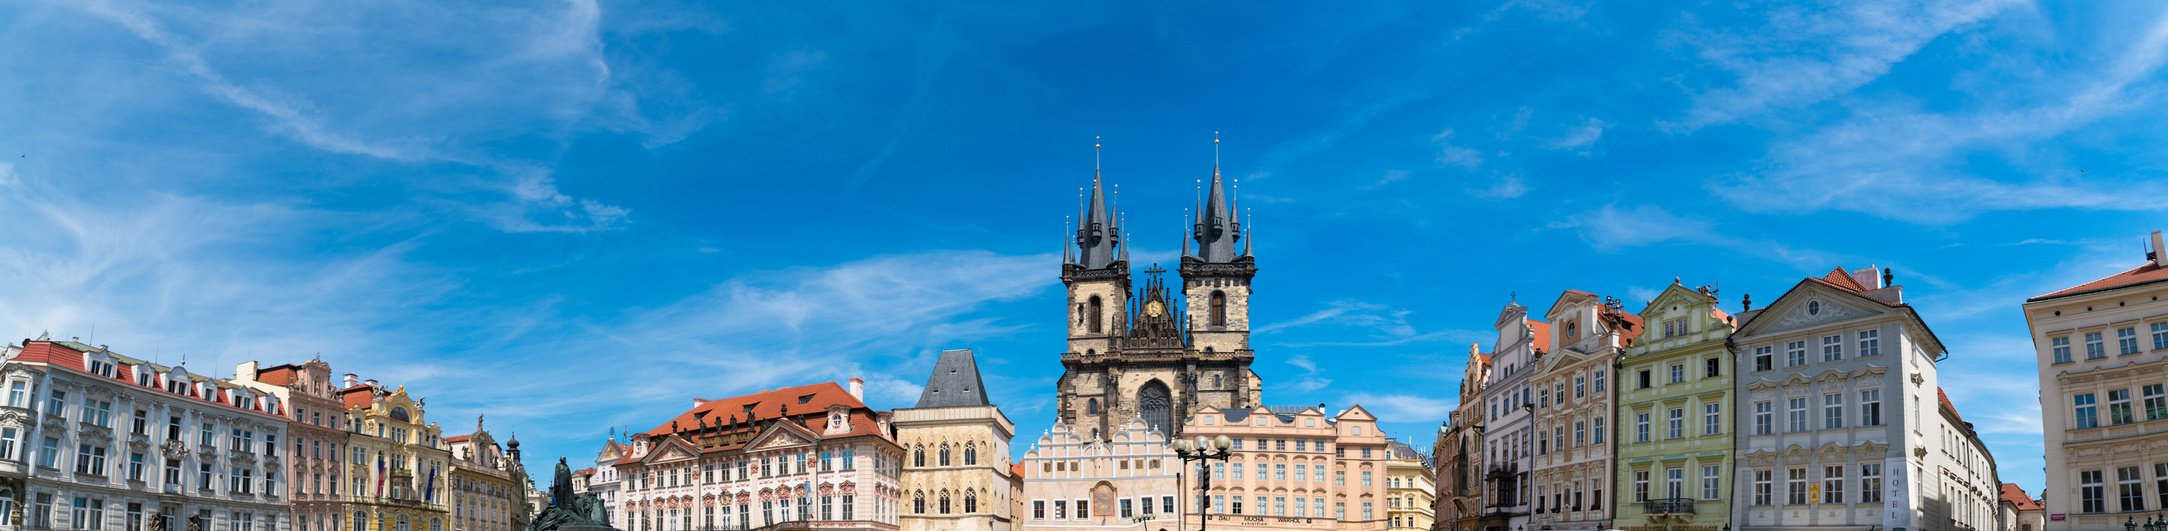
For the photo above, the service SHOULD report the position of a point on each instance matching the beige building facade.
(399, 466)
(1296, 468)
(1571, 467)
(318, 432)
(1126, 481)
(2102, 348)
(958, 474)
(1411, 489)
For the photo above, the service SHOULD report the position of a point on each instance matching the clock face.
(1153, 309)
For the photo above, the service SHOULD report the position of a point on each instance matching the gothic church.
(1142, 353)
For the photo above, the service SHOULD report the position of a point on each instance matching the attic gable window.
(142, 377)
(101, 367)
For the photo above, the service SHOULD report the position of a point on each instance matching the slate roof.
(955, 382)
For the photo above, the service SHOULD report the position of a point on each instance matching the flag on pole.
(431, 494)
(380, 475)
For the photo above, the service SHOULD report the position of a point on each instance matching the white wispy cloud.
(1454, 155)
(1611, 229)
(1892, 158)
(1403, 407)
(1581, 137)
(1804, 54)
(1312, 378)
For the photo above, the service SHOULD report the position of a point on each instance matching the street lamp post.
(1204, 451)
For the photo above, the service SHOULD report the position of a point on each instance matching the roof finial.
(1215, 151)
(1095, 153)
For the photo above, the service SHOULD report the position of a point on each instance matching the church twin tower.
(1140, 354)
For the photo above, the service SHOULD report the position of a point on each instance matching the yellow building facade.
(399, 463)
(1411, 489)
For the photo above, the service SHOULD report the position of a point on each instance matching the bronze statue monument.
(568, 511)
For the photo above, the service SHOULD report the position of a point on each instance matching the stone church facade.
(1152, 354)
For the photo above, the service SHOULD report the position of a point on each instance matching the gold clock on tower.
(1153, 309)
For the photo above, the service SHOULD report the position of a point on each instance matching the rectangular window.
(2156, 403)
(1832, 348)
(1795, 353)
(1795, 486)
(135, 466)
(2160, 336)
(2061, 348)
(8, 436)
(2130, 489)
(2094, 347)
(1711, 482)
(1599, 424)
(1678, 373)
(1764, 360)
(1764, 418)
(1870, 343)
(1580, 385)
(1870, 483)
(2087, 416)
(2119, 406)
(1599, 381)
(2092, 492)
(1674, 483)
(2160, 483)
(49, 455)
(1675, 423)
(1797, 413)
(1641, 379)
(1712, 419)
(1832, 411)
(1238, 470)
(1833, 484)
(1764, 486)
(1641, 427)
(56, 404)
(98, 413)
(2126, 340)
(1641, 486)
(1870, 407)
(1580, 434)
(89, 460)
(1711, 368)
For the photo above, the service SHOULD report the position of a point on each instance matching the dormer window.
(102, 368)
(142, 377)
(176, 386)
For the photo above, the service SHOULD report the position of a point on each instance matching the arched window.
(944, 502)
(971, 501)
(971, 454)
(1091, 406)
(918, 456)
(1215, 380)
(1155, 403)
(918, 503)
(1218, 316)
(944, 454)
(1092, 315)
(403, 525)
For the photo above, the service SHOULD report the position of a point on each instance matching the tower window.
(1219, 308)
(1093, 315)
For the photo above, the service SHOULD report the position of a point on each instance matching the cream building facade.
(1846, 427)
(1571, 467)
(1126, 481)
(812, 455)
(1411, 489)
(1674, 446)
(1296, 468)
(489, 485)
(2102, 348)
(958, 474)
(398, 465)
(1509, 437)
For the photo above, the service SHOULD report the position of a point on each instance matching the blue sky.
(574, 216)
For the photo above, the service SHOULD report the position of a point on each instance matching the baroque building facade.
(1411, 489)
(91, 439)
(1674, 452)
(1508, 406)
(1277, 476)
(2102, 349)
(1124, 481)
(489, 485)
(957, 475)
(1847, 427)
(398, 465)
(1571, 466)
(1156, 356)
(812, 455)
(316, 425)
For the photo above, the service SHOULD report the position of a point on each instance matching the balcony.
(1657, 506)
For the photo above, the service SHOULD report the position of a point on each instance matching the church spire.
(1096, 233)
(1216, 229)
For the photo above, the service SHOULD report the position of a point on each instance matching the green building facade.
(1674, 426)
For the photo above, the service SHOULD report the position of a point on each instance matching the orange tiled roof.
(1626, 337)
(54, 354)
(805, 406)
(282, 375)
(1945, 398)
(2016, 496)
(2144, 274)
(458, 438)
(1542, 330)
(1837, 277)
(357, 396)
(1016, 469)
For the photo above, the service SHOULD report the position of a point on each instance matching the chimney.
(371, 382)
(350, 382)
(2160, 255)
(1870, 278)
(697, 401)
(246, 371)
(858, 388)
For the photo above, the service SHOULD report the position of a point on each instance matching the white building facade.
(1843, 424)
(1509, 440)
(103, 441)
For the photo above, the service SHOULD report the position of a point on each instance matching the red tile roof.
(1842, 280)
(589, 471)
(357, 396)
(2144, 274)
(63, 356)
(1945, 398)
(458, 438)
(2016, 496)
(788, 401)
(282, 375)
(1542, 330)
(1016, 469)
